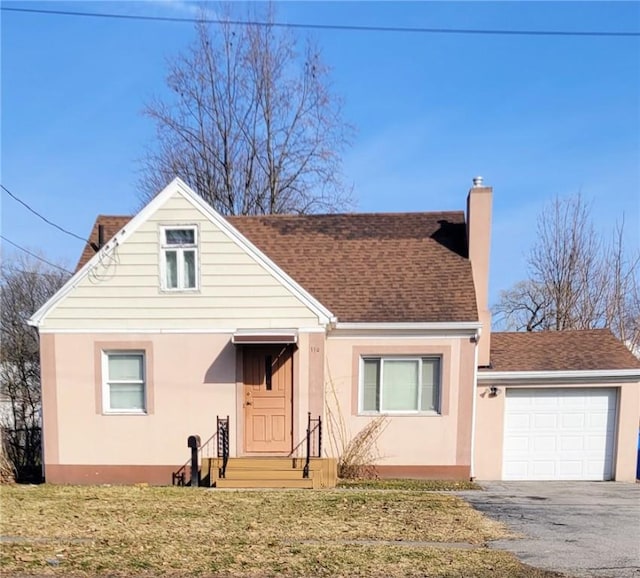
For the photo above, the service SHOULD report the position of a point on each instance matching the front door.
(268, 385)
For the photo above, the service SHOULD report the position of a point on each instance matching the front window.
(400, 384)
(179, 258)
(124, 388)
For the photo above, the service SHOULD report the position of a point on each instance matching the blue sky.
(536, 116)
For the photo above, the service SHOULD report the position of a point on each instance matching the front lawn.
(142, 531)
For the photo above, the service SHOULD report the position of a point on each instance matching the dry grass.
(408, 484)
(125, 531)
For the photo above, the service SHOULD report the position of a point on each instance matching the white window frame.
(382, 359)
(106, 382)
(180, 250)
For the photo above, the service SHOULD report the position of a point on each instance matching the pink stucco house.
(178, 316)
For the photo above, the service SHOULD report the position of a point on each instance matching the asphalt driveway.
(579, 528)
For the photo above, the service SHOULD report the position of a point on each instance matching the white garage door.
(559, 434)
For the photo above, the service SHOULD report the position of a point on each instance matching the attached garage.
(559, 433)
(557, 405)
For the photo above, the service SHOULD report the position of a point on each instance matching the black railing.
(219, 440)
(222, 432)
(313, 442)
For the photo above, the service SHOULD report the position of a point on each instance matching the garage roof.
(571, 350)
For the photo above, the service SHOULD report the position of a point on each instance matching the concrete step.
(264, 483)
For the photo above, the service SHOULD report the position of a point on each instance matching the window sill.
(399, 414)
(172, 291)
(124, 412)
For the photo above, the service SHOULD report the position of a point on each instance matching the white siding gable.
(123, 290)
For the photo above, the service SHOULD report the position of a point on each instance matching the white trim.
(419, 358)
(588, 375)
(397, 336)
(178, 186)
(106, 382)
(180, 251)
(130, 330)
(471, 326)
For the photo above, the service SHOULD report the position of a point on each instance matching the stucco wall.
(191, 379)
(124, 291)
(490, 428)
(420, 443)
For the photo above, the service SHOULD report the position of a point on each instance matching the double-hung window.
(400, 384)
(179, 258)
(124, 385)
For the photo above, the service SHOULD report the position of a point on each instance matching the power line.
(34, 255)
(343, 27)
(66, 231)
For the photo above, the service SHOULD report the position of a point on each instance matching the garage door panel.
(570, 443)
(572, 420)
(545, 420)
(542, 443)
(517, 444)
(559, 433)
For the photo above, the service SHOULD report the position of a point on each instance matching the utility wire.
(67, 232)
(344, 27)
(34, 255)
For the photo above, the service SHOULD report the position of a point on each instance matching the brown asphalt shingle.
(378, 267)
(559, 351)
(381, 267)
(112, 224)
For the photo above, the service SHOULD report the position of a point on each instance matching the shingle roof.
(389, 267)
(378, 267)
(112, 224)
(559, 351)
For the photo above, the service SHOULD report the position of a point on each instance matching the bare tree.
(578, 279)
(24, 286)
(251, 125)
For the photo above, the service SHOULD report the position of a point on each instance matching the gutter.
(588, 375)
(472, 474)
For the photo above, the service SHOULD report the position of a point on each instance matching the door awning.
(266, 337)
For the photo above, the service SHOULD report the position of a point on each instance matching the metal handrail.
(309, 449)
(222, 431)
(221, 436)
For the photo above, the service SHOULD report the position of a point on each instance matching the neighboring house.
(184, 315)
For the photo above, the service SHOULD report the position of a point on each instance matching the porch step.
(269, 472)
(263, 483)
(261, 463)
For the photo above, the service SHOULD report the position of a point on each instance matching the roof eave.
(561, 376)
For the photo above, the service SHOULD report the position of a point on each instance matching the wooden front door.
(268, 386)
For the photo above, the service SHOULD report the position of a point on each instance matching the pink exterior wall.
(191, 379)
(412, 445)
(490, 429)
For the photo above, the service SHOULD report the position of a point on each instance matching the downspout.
(472, 473)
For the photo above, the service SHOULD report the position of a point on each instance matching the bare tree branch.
(252, 125)
(578, 279)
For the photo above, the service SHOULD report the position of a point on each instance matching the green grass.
(143, 531)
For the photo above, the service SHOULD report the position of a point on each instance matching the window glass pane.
(400, 385)
(180, 236)
(171, 260)
(430, 385)
(370, 385)
(189, 269)
(126, 396)
(125, 367)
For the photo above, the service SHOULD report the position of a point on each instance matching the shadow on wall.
(223, 367)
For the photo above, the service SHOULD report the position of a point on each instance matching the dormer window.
(179, 258)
